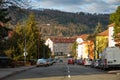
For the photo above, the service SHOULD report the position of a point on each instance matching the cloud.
(91, 6)
(113, 2)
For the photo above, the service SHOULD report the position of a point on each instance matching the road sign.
(25, 53)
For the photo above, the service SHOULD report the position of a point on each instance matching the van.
(110, 58)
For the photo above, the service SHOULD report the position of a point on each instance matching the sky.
(89, 6)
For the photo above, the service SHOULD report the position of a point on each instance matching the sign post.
(25, 54)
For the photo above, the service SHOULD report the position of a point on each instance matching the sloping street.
(62, 71)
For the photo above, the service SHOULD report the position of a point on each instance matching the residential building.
(85, 48)
(60, 46)
(111, 42)
(101, 43)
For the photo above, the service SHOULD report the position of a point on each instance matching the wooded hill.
(61, 23)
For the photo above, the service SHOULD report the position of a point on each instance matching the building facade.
(111, 42)
(85, 48)
(101, 43)
(60, 46)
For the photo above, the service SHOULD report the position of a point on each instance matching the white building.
(82, 51)
(111, 42)
(79, 49)
(60, 46)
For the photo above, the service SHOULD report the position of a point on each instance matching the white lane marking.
(69, 76)
(68, 69)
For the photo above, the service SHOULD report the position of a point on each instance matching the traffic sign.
(25, 53)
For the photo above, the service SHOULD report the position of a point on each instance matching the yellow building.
(101, 43)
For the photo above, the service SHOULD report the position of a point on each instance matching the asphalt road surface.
(62, 71)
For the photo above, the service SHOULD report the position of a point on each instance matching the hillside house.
(85, 48)
(60, 46)
(111, 42)
(101, 43)
(104, 39)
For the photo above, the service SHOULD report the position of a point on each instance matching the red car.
(70, 61)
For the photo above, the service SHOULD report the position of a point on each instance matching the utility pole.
(38, 45)
(25, 52)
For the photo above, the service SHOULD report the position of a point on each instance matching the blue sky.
(91, 6)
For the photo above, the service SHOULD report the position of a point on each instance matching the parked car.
(79, 61)
(32, 61)
(6, 62)
(60, 60)
(42, 62)
(50, 61)
(70, 61)
(95, 63)
(92, 64)
(86, 62)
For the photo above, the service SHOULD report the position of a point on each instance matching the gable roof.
(111, 25)
(84, 36)
(85, 42)
(63, 40)
(104, 33)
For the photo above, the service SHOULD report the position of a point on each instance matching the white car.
(41, 62)
(87, 62)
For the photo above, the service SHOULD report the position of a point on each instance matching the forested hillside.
(61, 23)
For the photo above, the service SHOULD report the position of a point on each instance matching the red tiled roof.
(85, 42)
(104, 33)
(63, 40)
(84, 36)
(111, 25)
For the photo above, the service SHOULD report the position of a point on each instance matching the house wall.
(91, 49)
(79, 49)
(85, 51)
(111, 42)
(59, 48)
(62, 48)
(101, 44)
(49, 43)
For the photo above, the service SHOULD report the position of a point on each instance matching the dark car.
(96, 63)
(79, 61)
(6, 62)
(60, 60)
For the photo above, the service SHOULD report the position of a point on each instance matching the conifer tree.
(98, 29)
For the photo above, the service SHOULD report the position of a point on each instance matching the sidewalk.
(6, 72)
(114, 72)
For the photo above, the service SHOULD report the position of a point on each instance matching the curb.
(114, 72)
(13, 73)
